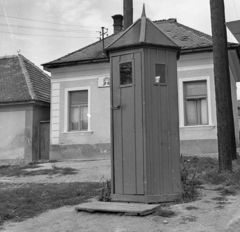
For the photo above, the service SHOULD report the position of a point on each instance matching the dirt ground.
(210, 213)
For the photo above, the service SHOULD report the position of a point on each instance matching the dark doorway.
(44, 140)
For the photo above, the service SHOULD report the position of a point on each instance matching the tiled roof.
(185, 37)
(21, 81)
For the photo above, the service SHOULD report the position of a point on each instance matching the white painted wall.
(12, 134)
(85, 77)
(197, 67)
(190, 67)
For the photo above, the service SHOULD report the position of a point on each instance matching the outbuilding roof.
(189, 39)
(22, 81)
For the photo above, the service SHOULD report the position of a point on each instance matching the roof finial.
(143, 11)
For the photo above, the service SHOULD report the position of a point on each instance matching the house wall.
(96, 141)
(19, 132)
(202, 138)
(12, 134)
(234, 106)
(15, 134)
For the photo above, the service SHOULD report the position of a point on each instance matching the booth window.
(160, 74)
(196, 109)
(126, 73)
(78, 115)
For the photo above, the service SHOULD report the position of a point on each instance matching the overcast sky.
(88, 16)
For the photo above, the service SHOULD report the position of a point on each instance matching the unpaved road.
(209, 214)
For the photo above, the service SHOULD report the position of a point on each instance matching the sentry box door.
(127, 129)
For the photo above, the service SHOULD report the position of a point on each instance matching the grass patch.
(19, 202)
(162, 212)
(105, 193)
(205, 170)
(20, 170)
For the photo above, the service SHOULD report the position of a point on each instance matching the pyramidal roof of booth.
(142, 32)
(22, 81)
(189, 39)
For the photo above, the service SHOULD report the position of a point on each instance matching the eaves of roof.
(73, 63)
(30, 102)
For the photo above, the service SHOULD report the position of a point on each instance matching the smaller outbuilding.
(24, 111)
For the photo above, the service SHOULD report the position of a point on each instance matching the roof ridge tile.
(27, 78)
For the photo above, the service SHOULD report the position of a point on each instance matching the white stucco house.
(80, 100)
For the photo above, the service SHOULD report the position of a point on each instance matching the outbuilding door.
(127, 129)
(44, 140)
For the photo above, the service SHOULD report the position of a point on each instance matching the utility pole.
(104, 31)
(225, 123)
(127, 13)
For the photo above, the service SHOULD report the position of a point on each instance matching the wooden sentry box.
(144, 115)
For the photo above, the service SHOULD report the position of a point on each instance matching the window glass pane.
(74, 118)
(204, 117)
(79, 97)
(160, 73)
(195, 88)
(84, 118)
(191, 112)
(126, 73)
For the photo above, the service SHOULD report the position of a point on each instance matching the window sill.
(78, 132)
(198, 127)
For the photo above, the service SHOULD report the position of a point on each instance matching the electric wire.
(47, 29)
(45, 21)
(5, 15)
(6, 32)
(235, 8)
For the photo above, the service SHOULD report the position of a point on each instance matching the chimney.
(127, 13)
(117, 23)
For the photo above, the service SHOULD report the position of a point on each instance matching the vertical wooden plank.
(111, 126)
(164, 137)
(154, 125)
(174, 123)
(148, 122)
(117, 132)
(144, 95)
(139, 124)
(160, 59)
(128, 139)
(169, 116)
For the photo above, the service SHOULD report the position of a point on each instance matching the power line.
(235, 8)
(5, 15)
(5, 32)
(45, 21)
(45, 28)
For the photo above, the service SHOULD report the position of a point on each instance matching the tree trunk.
(225, 123)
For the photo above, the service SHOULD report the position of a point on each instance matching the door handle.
(116, 107)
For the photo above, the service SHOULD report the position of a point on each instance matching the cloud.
(74, 11)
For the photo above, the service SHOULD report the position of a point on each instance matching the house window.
(196, 109)
(78, 110)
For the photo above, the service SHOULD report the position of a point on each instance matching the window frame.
(182, 119)
(196, 99)
(67, 109)
(165, 66)
(119, 73)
